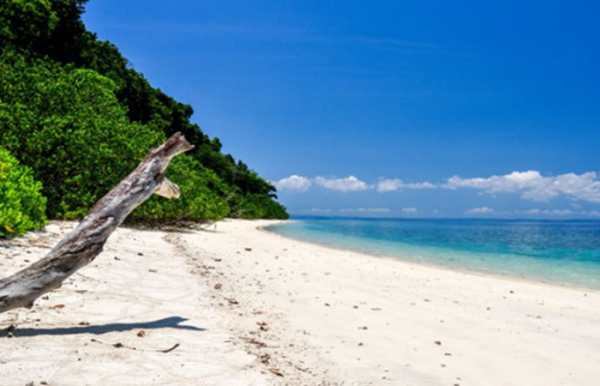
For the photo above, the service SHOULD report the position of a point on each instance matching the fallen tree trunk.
(85, 242)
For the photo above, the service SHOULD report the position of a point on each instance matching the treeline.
(74, 112)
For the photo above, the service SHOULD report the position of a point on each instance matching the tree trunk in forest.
(85, 242)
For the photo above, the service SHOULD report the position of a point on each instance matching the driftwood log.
(85, 242)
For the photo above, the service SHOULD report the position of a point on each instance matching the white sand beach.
(236, 305)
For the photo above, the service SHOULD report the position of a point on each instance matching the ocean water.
(564, 252)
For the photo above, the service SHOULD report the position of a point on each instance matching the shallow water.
(566, 252)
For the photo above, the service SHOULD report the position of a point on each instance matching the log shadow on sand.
(171, 322)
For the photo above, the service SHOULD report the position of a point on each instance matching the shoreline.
(250, 307)
(366, 321)
(406, 260)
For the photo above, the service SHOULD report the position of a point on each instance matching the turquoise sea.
(565, 252)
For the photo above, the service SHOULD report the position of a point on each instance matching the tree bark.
(85, 242)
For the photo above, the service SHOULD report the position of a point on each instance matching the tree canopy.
(73, 109)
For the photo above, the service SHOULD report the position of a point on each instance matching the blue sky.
(387, 108)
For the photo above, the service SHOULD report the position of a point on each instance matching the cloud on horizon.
(348, 184)
(555, 212)
(481, 210)
(365, 210)
(530, 185)
(392, 185)
(533, 186)
(484, 211)
(293, 183)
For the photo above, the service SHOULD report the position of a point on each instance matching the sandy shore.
(241, 306)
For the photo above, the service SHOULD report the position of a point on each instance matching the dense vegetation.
(73, 110)
(22, 206)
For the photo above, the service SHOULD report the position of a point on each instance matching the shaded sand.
(264, 309)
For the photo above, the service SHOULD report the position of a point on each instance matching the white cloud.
(409, 210)
(392, 185)
(293, 183)
(319, 210)
(560, 212)
(533, 186)
(530, 185)
(481, 210)
(348, 184)
(552, 212)
(366, 210)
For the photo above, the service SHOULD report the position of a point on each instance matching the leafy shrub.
(22, 206)
(252, 206)
(203, 195)
(67, 125)
(53, 31)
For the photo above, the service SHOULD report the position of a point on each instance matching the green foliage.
(26, 24)
(22, 206)
(68, 126)
(252, 206)
(203, 195)
(73, 109)
(44, 28)
(65, 40)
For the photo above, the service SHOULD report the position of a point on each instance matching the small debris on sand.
(263, 326)
(276, 372)
(264, 359)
